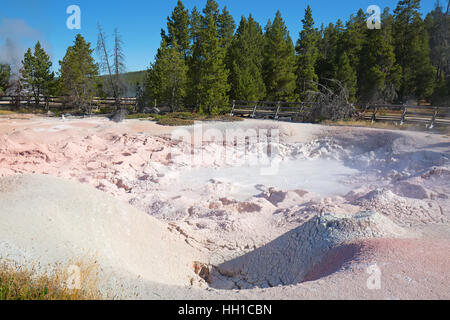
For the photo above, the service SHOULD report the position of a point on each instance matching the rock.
(153, 110)
(248, 207)
(274, 196)
(121, 185)
(226, 201)
(215, 205)
(202, 270)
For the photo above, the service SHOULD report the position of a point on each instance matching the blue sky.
(140, 21)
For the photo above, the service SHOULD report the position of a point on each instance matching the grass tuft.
(387, 125)
(20, 283)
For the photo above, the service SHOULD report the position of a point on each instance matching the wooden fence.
(58, 102)
(271, 110)
(429, 115)
(299, 111)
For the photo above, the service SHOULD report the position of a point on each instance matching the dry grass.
(187, 118)
(364, 123)
(173, 122)
(6, 112)
(21, 111)
(225, 118)
(385, 125)
(20, 283)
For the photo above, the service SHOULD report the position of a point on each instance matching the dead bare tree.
(103, 53)
(113, 64)
(119, 62)
(330, 103)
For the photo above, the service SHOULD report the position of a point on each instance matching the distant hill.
(130, 80)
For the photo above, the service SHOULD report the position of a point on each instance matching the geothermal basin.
(316, 212)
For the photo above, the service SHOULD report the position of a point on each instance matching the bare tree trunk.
(172, 102)
(103, 52)
(119, 64)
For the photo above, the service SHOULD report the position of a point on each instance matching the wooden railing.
(429, 115)
(269, 109)
(299, 111)
(58, 102)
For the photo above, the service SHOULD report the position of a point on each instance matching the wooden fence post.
(300, 112)
(254, 110)
(433, 120)
(402, 120)
(278, 110)
(374, 115)
(232, 108)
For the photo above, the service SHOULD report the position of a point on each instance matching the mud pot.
(307, 212)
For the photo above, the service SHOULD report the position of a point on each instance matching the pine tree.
(279, 62)
(412, 52)
(194, 60)
(246, 68)
(438, 28)
(379, 73)
(178, 29)
(166, 80)
(354, 36)
(79, 73)
(329, 48)
(36, 74)
(346, 74)
(226, 27)
(5, 76)
(208, 71)
(307, 52)
(211, 10)
(213, 87)
(195, 26)
(351, 45)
